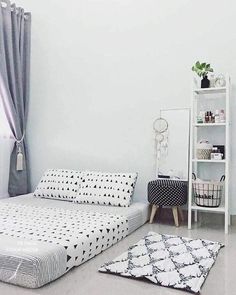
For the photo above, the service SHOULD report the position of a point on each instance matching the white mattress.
(137, 214)
(42, 239)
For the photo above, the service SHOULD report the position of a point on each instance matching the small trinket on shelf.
(222, 116)
(217, 116)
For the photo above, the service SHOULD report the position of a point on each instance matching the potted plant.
(202, 70)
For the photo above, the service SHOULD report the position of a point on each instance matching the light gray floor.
(85, 279)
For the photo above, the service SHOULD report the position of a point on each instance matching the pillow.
(59, 184)
(115, 189)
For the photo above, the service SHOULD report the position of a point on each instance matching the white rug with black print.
(167, 260)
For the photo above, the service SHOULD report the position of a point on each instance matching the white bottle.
(217, 116)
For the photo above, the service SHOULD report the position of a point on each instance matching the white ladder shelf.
(209, 95)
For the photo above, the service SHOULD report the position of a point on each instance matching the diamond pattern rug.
(167, 260)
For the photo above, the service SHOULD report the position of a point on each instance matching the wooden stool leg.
(181, 213)
(175, 214)
(153, 213)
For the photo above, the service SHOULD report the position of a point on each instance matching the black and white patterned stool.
(167, 192)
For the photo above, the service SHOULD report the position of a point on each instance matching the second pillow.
(115, 189)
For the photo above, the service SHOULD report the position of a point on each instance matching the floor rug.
(167, 260)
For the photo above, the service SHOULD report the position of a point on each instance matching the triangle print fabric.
(83, 234)
(167, 260)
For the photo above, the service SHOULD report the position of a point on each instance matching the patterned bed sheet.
(40, 244)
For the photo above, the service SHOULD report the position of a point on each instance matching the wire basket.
(208, 193)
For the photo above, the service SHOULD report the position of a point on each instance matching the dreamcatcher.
(160, 127)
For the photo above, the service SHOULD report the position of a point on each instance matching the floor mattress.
(42, 239)
(137, 214)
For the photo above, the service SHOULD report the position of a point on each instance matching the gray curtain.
(15, 33)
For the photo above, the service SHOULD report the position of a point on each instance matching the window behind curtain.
(6, 146)
(5, 131)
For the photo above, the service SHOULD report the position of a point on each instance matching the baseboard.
(164, 215)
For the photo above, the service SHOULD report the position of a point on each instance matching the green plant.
(202, 69)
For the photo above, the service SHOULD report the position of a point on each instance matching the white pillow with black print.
(60, 184)
(114, 189)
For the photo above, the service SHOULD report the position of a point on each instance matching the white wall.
(101, 70)
(178, 143)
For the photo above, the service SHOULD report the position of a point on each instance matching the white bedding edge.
(22, 267)
(30, 264)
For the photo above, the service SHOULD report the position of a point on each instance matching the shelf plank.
(220, 209)
(209, 124)
(210, 90)
(208, 161)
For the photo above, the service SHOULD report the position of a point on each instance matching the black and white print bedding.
(59, 184)
(82, 235)
(115, 189)
(167, 260)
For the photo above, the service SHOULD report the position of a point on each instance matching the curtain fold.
(15, 39)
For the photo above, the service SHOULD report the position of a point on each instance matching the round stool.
(167, 192)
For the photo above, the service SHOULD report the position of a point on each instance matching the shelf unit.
(200, 96)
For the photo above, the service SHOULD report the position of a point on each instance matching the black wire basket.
(208, 193)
